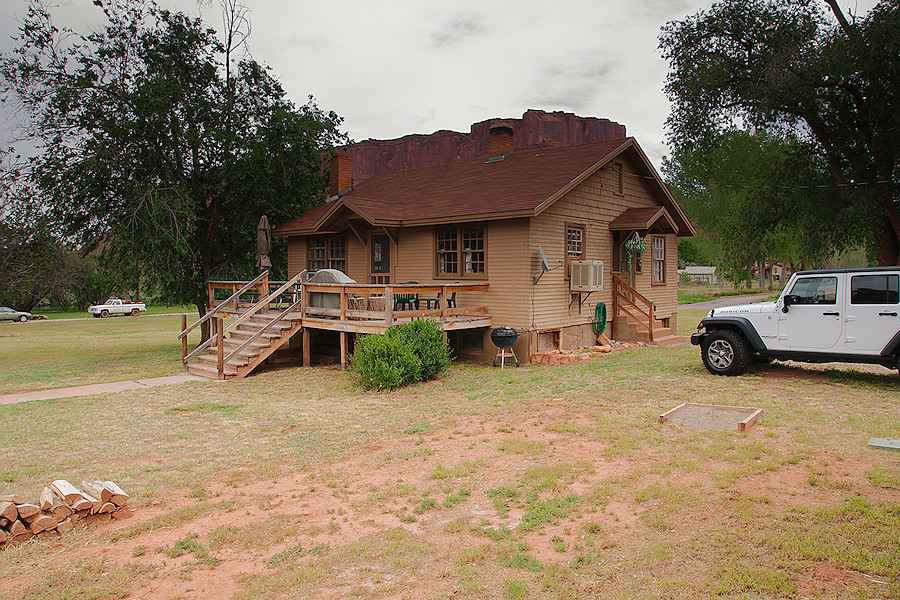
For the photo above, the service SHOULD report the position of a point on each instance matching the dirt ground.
(374, 490)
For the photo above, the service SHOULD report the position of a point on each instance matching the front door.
(813, 320)
(380, 259)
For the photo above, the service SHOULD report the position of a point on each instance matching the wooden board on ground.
(885, 444)
(713, 416)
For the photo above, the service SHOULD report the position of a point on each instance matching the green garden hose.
(599, 322)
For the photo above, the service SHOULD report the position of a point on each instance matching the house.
(700, 274)
(488, 223)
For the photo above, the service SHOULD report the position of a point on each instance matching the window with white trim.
(659, 259)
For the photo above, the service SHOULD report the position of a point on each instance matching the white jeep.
(839, 315)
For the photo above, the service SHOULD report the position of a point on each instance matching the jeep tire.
(725, 352)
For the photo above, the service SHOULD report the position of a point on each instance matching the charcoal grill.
(504, 338)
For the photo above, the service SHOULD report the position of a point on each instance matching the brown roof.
(523, 184)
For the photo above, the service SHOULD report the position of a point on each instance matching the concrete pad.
(99, 388)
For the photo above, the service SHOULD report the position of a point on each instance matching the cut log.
(92, 519)
(48, 499)
(66, 491)
(14, 498)
(119, 497)
(28, 512)
(60, 511)
(17, 528)
(22, 538)
(107, 508)
(9, 511)
(103, 517)
(82, 505)
(42, 523)
(66, 525)
(96, 503)
(83, 514)
(97, 490)
(4, 521)
(123, 513)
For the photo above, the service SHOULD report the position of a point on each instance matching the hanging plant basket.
(635, 247)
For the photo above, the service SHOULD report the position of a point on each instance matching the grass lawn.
(537, 482)
(689, 294)
(48, 354)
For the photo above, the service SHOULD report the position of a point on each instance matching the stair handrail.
(215, 309)
(264, 329)
(618, 284)
(264, 302)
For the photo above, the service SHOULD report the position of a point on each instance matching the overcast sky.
(395, 67)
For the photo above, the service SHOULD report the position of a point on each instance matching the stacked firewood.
(61, 507)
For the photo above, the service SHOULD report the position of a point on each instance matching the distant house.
(487, 222)
(700, 275)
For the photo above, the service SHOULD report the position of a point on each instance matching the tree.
(159, 149)
(783, 65)
(755, 197)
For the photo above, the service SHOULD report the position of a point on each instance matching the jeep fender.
(741, 324)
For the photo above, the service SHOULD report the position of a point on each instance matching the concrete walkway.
(726, 301)
(99, 388)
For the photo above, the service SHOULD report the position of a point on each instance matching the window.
(460, 252)
(659, 259)
(574, 244)
(327, 252)
(814, 290)
(874, 289)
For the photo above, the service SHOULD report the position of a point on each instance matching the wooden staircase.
(245, 355)
(235, 350)
(634, 319)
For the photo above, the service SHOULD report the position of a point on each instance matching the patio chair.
(407, 301)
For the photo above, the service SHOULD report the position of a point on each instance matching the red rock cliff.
(535, 129)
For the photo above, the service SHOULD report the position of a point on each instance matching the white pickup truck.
(116, 306)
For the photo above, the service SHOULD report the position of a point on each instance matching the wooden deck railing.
(626, 300)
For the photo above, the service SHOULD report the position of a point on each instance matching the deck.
(262, 316)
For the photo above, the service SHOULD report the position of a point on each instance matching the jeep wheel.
(725, 352)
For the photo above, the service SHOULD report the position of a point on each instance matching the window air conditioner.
(586, 276)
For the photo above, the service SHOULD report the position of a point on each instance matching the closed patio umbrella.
(263, 244)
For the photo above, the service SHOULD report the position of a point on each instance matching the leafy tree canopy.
(755, 196)
(784, 65)
(158, 147)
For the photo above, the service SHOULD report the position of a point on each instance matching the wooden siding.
(595, 203)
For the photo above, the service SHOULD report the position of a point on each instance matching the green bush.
(408, 352)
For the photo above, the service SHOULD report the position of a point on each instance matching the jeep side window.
(814, 290)
(875, 289)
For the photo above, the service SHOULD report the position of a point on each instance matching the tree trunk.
(888, 240)
(204, 327)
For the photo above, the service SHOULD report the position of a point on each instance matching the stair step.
(246, 335)
(668, 340)
(233, 364)
(209, 372)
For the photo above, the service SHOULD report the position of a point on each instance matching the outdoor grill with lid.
(504, 338)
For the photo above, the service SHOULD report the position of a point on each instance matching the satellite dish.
(545, 265)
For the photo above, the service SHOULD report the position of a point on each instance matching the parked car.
(840, 315)
(9, 314)
(116, 306)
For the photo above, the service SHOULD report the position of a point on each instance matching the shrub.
(408, 352)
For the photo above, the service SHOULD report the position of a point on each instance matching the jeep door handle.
(887, 314)
(831, 314)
